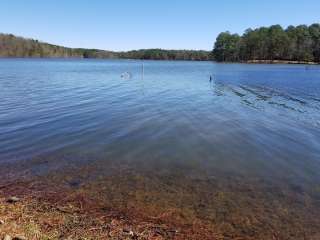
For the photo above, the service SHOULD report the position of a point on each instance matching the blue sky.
(136, 24)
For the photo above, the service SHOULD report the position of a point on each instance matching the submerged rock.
(129, 232)
(19, 238)
(13, 200)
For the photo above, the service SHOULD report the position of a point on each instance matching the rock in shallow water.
(13, 200)
(19, 238)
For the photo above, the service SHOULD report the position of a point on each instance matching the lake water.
(257, 122)
(256, 118)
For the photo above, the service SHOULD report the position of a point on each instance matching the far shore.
(280, 62)
(173, 60)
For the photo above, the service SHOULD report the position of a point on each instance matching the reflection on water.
(249, 138)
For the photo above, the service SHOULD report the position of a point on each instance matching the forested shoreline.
(300, 44)
(13, 46)
(295, 44)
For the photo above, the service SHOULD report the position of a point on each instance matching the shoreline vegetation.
(13, 46)
(264, 45)
(300, 44)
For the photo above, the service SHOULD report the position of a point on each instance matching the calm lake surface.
(258, 122)
(258, 119)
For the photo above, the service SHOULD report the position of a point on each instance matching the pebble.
(19, 238)
(7, 237)
(128, 231)
(1, 222)
(13, 200)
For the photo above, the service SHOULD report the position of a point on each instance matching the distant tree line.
(300, 43)
(12, 46)
(161, 54)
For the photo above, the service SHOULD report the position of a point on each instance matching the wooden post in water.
(142, 77)
(142, 70)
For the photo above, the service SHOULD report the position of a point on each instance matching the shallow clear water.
(257, 120)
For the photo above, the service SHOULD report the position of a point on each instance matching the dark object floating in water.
(126, 75)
